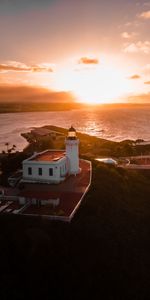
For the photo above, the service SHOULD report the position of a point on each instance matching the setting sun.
(93, 83)
(99, 86)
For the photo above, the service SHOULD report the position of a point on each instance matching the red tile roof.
(49, 156)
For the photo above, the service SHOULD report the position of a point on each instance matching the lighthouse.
(72, 151)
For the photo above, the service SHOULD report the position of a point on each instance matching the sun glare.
(99, 86)
(93, 84)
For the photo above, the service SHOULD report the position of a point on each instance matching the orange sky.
(98, 50)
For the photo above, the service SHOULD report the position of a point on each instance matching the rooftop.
(49, 156)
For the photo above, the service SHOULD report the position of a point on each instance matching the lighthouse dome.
(71, 133)
(72, 129)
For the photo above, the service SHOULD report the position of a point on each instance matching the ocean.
(112, 123)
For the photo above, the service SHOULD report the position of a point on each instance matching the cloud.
(13, 66)
(147, 69)
(9, 93)
(138, 47)
(88, 61)
(134, 23)
(145, 15)
(41, 68)
(141, 98)
(131, 48)
(128, 24)
(126, 35)
(135, 76)
(146, 4)
(21, 67)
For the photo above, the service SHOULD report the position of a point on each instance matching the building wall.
(60, 169)
(72, 153)
(34, 201)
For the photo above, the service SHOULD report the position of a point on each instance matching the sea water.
(113, 123)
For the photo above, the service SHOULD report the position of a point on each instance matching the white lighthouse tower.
(72, 151)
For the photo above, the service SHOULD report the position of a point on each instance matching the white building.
(53, 166)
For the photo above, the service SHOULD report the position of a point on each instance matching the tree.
(7, 144)
(13, 148)
(9, 150)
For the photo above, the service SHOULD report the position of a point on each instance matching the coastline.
(110, 124)
(12, 107)
(50, 136)
(91, 146)
(17, 107)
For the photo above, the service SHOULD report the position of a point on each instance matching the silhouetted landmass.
(104, 253)
(35, 107)
(90, 146)
(57, 101)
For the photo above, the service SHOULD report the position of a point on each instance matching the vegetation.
(102, 254)
(39, 145)
(93, 147)
(90, 147)
(9, 163)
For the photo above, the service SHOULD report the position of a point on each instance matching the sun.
(93, 84)
(99, 85)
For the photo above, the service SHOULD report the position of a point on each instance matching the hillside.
(102, 254)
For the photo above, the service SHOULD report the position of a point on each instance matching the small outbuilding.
(109, 161)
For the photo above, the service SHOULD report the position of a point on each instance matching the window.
(29, 171)
(40, 171)
(50, 171)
